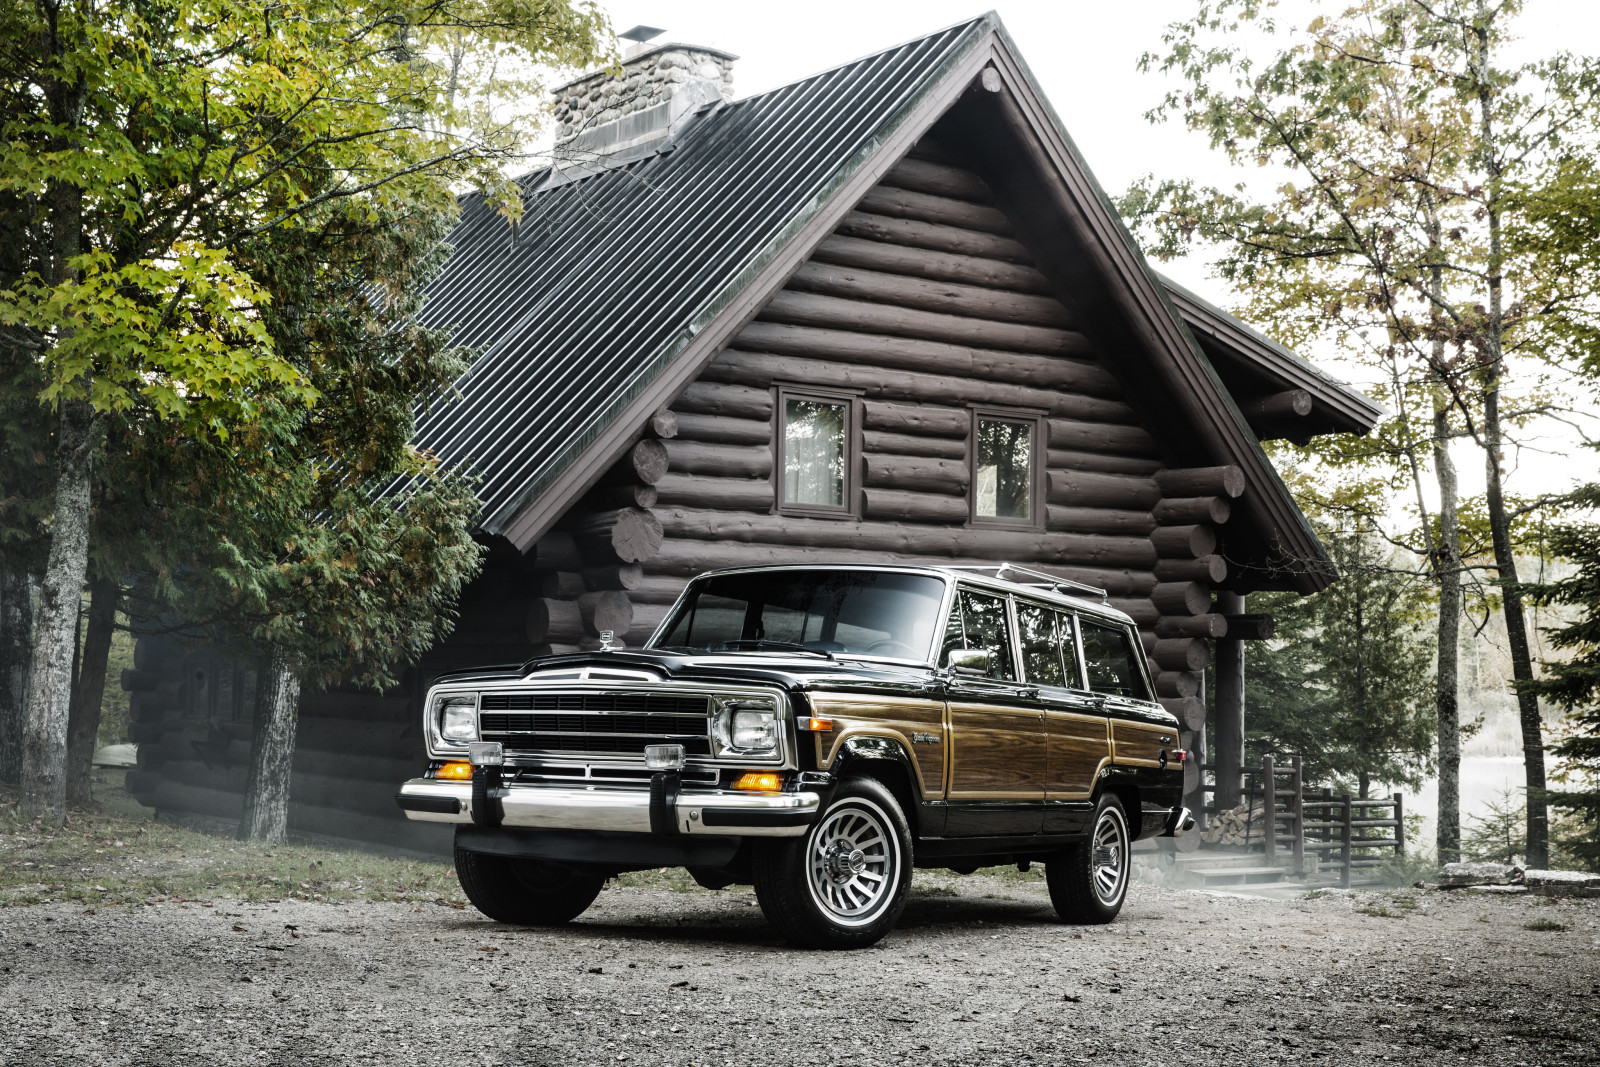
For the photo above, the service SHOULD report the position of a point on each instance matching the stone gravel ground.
(978, 973)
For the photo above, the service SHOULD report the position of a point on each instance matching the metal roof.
(606, 278)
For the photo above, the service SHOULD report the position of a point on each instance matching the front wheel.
(1089, 881)
(844, 884)
(525, 892)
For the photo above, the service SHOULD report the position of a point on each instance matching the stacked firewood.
(1242, 825)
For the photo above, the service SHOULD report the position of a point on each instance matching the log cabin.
(884, 313)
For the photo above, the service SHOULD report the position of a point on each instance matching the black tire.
(843, 884)
(1089, 881)
(525, 892)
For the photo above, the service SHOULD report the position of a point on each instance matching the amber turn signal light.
(815, 725)
(459, 772)
(759, 782)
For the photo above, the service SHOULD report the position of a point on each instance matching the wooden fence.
(1349, 833)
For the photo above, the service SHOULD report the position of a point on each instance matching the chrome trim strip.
(619, 808)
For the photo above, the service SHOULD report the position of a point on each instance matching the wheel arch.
(886, 761)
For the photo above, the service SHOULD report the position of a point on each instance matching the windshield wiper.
(784, 646)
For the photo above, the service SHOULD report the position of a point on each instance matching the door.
(997, 739)
(1076, 739)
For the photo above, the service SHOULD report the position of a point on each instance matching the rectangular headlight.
(457, 717)
(747, 726)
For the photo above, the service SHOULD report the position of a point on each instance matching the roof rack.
(1053, 581)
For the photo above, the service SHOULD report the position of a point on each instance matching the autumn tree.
(1398, 137)
(147, 143)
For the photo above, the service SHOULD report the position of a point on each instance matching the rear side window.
(1041, 631)
(983, 619)
(1108, 659)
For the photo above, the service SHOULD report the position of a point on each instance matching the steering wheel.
(892, 648)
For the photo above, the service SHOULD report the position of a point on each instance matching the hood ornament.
(606, 639)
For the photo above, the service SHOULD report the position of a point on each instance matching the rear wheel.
(843, 884)
(525, 892)
(1089, 881)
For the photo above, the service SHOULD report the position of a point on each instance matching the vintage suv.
(816, 731)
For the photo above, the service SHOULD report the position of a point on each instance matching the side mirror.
(968, 661)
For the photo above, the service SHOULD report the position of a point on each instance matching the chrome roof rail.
(1054, 581)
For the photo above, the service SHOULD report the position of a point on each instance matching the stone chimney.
(608, 118)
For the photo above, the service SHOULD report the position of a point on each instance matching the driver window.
(984, 618)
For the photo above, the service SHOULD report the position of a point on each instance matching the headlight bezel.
(747, 728)
(465, 706)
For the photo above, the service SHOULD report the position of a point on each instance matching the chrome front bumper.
(616, 808)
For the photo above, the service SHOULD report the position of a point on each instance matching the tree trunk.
(266, 790)
(44, 741)
(16, 639)
(83, 725)
(1493, 441)
(1447, 689)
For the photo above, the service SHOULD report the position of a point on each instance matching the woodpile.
(1245, 824)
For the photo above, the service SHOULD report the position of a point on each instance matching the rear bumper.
(617, 809)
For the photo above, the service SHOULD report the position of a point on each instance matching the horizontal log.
(881, 383)
(553, 648)
(548, 616)
(609, 497)
(1191, 711)
(1065, 459)
(1102, 437)
(965, 360)
(557, 551)
(613, 576)
(1180, 511)
(904, 444)
(1095, 489)
(947, 211)
(910, 539)
(1201, 481)
(646, 620)
(1289, 404)
(627, 535)
(915, 233)
(718, 398)
(815, 309)
(720, 460)
(687, 557)
(1139, 609)
(663, 423)
(724, 429)
(1181, 598)
(1258, 627)
(900, 506)
(1184, 542)
(928, 474)
(1100, 520)
(926, 263)
(1180, 654)
(1205, 569)
(939, 179)
(656, 589)
(919, 419)
(1209, 626)
(704, 491)
(605, 609)
(557, 585)
(644, 463)
(1178, 683)
(587, 616)
(950, 298)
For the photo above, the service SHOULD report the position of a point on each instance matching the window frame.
(1070, 633)
(1036, 494)
(851, 401)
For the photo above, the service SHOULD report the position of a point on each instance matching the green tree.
(1574, 683)
(1401, 141)
(1346, 682)
(146, 143)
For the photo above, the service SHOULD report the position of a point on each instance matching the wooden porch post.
(1228, 741)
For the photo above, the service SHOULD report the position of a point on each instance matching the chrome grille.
(595, 722)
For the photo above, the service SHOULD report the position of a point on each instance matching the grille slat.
(615, 723)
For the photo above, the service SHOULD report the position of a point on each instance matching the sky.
(1085, 56)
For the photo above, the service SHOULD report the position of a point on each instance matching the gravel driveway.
(979, 976)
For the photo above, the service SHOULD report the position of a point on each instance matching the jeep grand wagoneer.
(816, 731)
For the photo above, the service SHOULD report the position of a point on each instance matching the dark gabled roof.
(618, 288)
(1240, 351)
(607, 279)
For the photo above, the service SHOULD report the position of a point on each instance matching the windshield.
(870, 613)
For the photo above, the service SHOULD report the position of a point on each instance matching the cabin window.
(1005, 469)
(816, 436)
(985, 625)
(1040, 630)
